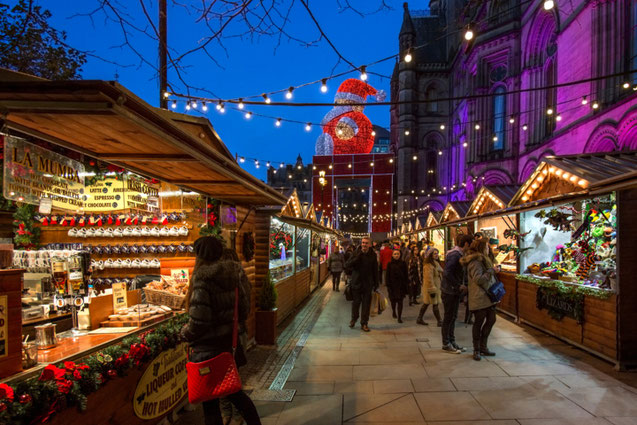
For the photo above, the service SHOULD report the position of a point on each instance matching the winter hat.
(357, 91)
(208, 248)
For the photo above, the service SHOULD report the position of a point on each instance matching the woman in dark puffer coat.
(210, 302)
(397, 284)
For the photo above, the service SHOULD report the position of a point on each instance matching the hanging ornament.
(25, 398)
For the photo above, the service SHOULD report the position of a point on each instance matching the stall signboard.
(119, 296)
(34, 175)
(559, 304)
(32, 172)
(4, 326)
(105, 195)
(163, 385)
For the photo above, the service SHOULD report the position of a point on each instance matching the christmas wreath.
(68, 384)
(276, 238)
(248, 246)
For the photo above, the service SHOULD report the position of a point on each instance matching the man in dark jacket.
(364, 267)
(453, 288)
(335, 264)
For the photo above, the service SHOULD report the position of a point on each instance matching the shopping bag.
(373, 311)
(382, 302)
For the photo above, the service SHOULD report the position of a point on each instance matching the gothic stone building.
(487, 127)
(288, 177)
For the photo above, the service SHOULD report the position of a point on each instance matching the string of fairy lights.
(469, 33)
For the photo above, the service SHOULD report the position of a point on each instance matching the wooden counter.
(509, 303)
(68, 347)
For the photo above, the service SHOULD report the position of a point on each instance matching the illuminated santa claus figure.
(346, 130)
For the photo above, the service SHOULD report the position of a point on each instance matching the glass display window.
(281, 249)
(303, 240)
(573, 242)
(438, 241)
(502, 236)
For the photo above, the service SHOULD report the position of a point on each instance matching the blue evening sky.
(246, 66)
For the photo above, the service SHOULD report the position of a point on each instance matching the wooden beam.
(55, 107)
(145, 157)
(207, 183)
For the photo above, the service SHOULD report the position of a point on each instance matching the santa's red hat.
(357, 90)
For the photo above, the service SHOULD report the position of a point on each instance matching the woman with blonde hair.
(431, 280)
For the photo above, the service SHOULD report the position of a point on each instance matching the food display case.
(282, 247)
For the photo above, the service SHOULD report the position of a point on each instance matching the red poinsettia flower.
(64, 386)
(81, 366)
(70, 366)
(6, 393)
(51, 372)
(122, 361)
(77, 375)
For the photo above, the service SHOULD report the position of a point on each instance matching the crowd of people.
(415, 271)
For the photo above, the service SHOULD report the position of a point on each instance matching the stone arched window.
(432, 93)
(550, 95)
(498, 125)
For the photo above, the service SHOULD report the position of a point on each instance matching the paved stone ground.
(391, 376)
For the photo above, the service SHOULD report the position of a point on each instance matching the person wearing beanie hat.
(211, 304)
(346, 130)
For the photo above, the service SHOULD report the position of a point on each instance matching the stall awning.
(106, 121)
(306, 224)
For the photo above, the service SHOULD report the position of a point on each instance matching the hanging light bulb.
(406, 132)
(549, 111)
(240, 105)
(442, 126)
(595, 105)
(584, 100)
(495, 138)
(364, 73)
(477, 127)
(174, 105)
(223, 108)
(558, 118)
(371, 164)
(204, 107)
(415, 157)
(626, 85)
(256, 163)
(188, 106)
(278, 122)
(194, 104)
(288, 94)
(549, 4)
(525, 127)
(308, 126)
(281, 165)
(511, 120)
(242, 159)
(248, 115)
(468, 35)
(439, 152)
(391, 160)
(266, 98)
(166, 94)
(373, 133)
(218, 106)
(465, 144)
(408, 57)
(267, 164)
(324, 85)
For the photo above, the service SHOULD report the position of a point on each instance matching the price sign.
(119, 296)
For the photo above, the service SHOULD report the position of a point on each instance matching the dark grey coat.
(212, 306)
(364, 269)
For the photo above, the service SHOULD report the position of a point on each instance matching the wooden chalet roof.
(106, 121)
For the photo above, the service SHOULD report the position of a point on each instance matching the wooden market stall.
(286, 242)
(451, 218)
(179, 172)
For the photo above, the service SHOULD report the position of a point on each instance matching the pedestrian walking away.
(453, 287)
(336, 264)
(210, 302)
(397, 284)
(481, 275)
(431, 281)
(364, 266)
(385, 258)
(415, 279)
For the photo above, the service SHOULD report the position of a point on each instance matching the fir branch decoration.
(267, 294)
(602, 294)
(27, 234)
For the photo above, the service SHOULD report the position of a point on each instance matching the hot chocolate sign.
(32, 173)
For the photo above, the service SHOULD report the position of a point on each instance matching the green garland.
(68, 384)
(27, 233)
(566, 289)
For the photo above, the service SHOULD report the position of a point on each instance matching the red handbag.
(216, 377)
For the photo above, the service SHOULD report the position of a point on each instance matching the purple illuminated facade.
(455, 146)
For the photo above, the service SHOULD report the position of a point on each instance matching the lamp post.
(322, 182)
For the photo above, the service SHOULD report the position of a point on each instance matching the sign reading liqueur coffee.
(559, 304)
(163, 384)
(32, 172)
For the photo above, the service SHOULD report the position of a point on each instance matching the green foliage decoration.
(602, 294)
(27, 233)
(267, 294)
